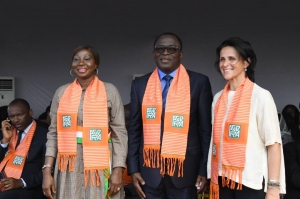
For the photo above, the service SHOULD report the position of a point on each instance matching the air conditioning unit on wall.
(7, 90)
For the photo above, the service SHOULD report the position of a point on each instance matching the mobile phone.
(9, 121)
(2, 175)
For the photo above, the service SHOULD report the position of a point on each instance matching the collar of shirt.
(27, 129)
(162, 74)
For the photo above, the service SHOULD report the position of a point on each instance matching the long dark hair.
(245, 51)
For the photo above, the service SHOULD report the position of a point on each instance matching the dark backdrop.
(37, 39)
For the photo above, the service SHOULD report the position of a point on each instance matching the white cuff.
(4, 145)
(24, 183)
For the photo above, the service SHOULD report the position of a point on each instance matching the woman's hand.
(272, 194)
(116, 181)
(48, 183)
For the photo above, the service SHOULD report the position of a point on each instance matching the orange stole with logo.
(176, 123)
(235, 136)
(94, 130)
(15, 158)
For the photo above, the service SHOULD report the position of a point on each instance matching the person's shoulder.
(141, 79)
(62, 89)
(217, 95)
(261, 93)
(194, 74)
(41, 124)
(109, 86)
(111, 90)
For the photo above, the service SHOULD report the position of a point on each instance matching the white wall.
(37, 39)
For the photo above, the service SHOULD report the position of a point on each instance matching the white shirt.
(263, 131)
(23, 135)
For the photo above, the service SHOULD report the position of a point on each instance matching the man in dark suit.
(148, 181)
(23, 180)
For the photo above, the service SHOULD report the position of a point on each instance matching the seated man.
(22, 153)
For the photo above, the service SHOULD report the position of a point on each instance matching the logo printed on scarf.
(18, 160)
(151, 113)
(177, 121)
(66, 121)
(214, 150)
(95, 135)
(7, 152)
(234, 131)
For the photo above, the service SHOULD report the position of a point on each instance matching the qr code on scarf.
(18, 160)
(66, 121)
(151, 113)
(95, 135)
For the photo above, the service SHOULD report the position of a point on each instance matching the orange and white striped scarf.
(235, 136)
(94, 131)
(176, 123)
(15, 158)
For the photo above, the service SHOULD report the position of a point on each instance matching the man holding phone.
(22, 153)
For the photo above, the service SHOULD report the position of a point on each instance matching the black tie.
(19, 138)
(168, 79)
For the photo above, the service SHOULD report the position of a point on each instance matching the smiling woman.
(87, 116)
(245, 153)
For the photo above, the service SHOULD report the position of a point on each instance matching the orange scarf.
(94, 130)
(235, 136)
(176, 122)
(15, 158)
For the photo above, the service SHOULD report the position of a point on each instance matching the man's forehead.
(16, 107)
(167, 39)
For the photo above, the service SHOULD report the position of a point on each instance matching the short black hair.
(244, 49)
(288, 117)
(169, 33)
(22, 101)
(43, 116)
(89, 48)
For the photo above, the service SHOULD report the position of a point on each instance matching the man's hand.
(137, 180)
(201, 184)
(11, 183)
(7, 131)
(116, 181)
(48, 184)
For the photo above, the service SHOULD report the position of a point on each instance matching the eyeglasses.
(170, 49)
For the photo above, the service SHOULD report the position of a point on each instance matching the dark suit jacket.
(199, 134)
(32, 171)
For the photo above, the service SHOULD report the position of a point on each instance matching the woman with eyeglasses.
(87, 140)
(245, 158)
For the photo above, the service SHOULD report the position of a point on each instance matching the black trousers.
(167, 190)
(22, 193)
(245, 193)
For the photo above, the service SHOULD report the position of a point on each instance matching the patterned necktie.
(168, 79)
(19, 138)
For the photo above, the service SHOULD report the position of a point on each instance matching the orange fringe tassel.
(64, 160)
(168, 166)
(91, 177)
(151, 157)
(213, 191)
(232, 173)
